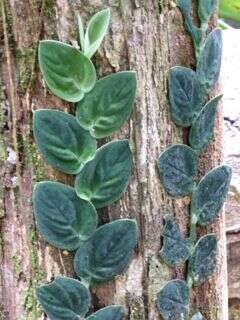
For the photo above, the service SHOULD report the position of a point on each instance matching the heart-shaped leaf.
(62, 217)
(185, 95)
(108, 105)
(67, 72)
(64, 298)
(103, 179)
(210, 194)
(108, 313)
(108, 252)
(178, 167)
(203, 260)
(173, 300)
(96, 30)
(175, 249)
(197, 316)
(209, 63)
(202, 128)
(206, 9)
(62, 141)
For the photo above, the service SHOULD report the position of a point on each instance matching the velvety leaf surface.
(63, 219)
(103, 179)
(185, 95)
(173, 300)
(178, 167)
(197, 316)
(202, 128)
(68, 72)
(108, 313)
(210, 194)
(108, 105)
(206, 9)
(175, 249)
(61, 140)
(108, 252)
(203, 260)
(64, 299)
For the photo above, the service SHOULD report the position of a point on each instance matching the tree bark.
(145, 36)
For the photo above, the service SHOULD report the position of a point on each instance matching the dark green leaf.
(173, 300)
(210, 194)
(108, 313)
(68, 72)
(197, 316)
(107, 253)
(202, 128)
(175, 248)
(203, 260)
(178, 167)
(61, 140)
(206, 9)
(108, 105)
(103, 179)
(64, 299)
(62, 217)
(185, 95)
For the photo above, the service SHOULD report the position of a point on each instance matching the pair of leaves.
(206, 9)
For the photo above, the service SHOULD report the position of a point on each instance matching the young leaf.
(108, 313)
(103, 179)
(108, 105)
(178, 167)
(64, 298)
(62, 217)
(210, 194)
(202, 128)
(96, 30)
(68, 73)
(175, 248)
(61, 140)
(81, 32)
(206, 9)
(108, 252)
(197, 316)
(173, 300)
(185, 95)
(203, 260)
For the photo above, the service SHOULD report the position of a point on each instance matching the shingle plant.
(189, 107)
(65, 216)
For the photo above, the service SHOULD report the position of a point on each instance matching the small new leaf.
(178, 167)
(197, 316)
(81, 32)
(108, 313)
(108, 105)
(206, 9)
(61, 140)
(64, 298)
(107, 253)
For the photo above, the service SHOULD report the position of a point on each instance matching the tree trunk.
(146, 36)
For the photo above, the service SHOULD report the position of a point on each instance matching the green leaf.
(96, 30)
(175, 249)
(62, 217)
(108, 313)
(61, 140)
(203, 126)
(206, 9)
(203, 260)
(185, 95)
(230, 9)
(197, 316)
(68, 73)
(103, 179)
(178, 167)
(64, 299)
(81, 32)
(173, 300)
(107, 253)
(108, 105)
(209, 63)
(210, 194)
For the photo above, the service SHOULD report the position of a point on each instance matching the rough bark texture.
(146, 36)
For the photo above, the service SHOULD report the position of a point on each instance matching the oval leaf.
(108, 105)
(64, 298)
(202, 128)
(67, 72)
(178, 167)
(96, 30)
(185, 95)
(103, 179)
(61, 140)
(203, 260)
(206, 9)
(108, 313)
(108, 252)
(210, 194)
(197, 316)
(62, 217)
(173, 300)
